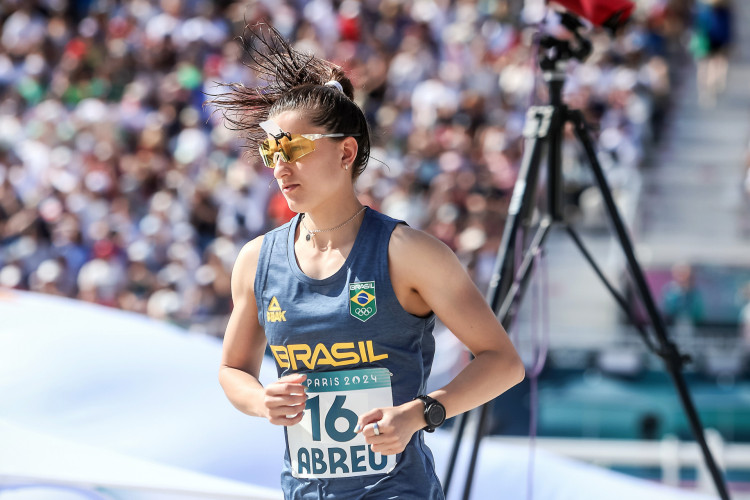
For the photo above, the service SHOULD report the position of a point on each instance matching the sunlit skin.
(318, 184)
(426, 277)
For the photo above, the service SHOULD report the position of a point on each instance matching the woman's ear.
(349, 148)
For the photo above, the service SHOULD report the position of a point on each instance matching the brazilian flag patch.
(362, 304)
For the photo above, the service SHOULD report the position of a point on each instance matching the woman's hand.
(284, 400)
(389, 430)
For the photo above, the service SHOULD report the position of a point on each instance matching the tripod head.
(609, 14)
(556, 52)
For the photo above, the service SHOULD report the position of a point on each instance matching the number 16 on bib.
(324, 444)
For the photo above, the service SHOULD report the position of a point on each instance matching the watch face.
(436, 415)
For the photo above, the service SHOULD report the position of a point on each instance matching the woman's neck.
(328, 229)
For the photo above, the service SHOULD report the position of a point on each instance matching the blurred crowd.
(117, 185)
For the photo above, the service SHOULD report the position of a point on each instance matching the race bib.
(324, 444)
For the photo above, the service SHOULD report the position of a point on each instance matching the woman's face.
(317, 177)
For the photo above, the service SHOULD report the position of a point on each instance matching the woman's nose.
(280, 167)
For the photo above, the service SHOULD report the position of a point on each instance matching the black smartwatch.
(434, 413)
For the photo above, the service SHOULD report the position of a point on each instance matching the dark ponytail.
(294, 81)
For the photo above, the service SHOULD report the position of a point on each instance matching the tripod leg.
(519, 213)
(623, 303)
(459, 431)
(537, 126)
(672, 358)
(478, 435)
(507, 314)
(521, 206)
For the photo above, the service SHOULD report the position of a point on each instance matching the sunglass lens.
(300, 146)
(285, 149)
(266, 154)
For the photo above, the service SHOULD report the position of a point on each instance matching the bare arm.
(427, 276)
(441, 281)
(242, 354)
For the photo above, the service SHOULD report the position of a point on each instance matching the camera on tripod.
(527, 226)
(556, 50)
(609, 14)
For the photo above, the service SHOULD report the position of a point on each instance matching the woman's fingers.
(385, 430)
(285, 399)
(287, 410)
(282, 388)
(286, 420)
(373, 430)
(385, 445)
(290, 410)
(296, 378)
(367, 419)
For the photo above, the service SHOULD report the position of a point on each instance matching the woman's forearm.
(243, 390)
(487, 376)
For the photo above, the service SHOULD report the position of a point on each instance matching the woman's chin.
(294, 206)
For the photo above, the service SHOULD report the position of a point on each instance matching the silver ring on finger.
(375, 428)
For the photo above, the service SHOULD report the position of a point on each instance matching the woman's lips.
(288, 188)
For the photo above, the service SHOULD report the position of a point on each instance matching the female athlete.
(346, 299)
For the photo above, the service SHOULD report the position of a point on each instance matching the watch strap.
(428, 402)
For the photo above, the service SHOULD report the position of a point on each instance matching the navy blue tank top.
(360, 350)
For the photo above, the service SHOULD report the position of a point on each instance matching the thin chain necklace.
(311, 233)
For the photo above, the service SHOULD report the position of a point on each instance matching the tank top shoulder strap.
(388, 223)
(372, 256)
(379, 232)
(274, 239)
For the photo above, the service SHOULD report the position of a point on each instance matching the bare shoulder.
(243, 273)
(411, 247)
(244, 339)
(250, 251)
(406, 238)
(420, 261)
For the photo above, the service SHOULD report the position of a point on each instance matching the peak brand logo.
(274, 312)
(297, 356)
(362, 303)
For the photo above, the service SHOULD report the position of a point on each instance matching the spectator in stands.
(681, 300)
(710, 43)
(111, 170)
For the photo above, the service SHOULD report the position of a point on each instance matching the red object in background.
(278, 210)
(213, 65)
(349, 28)
(76, 48)
(119, 27)
(103, 249)
(608, 13)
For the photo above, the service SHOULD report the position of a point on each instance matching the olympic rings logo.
(363, 311)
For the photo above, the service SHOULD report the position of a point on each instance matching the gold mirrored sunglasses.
(290, 147)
